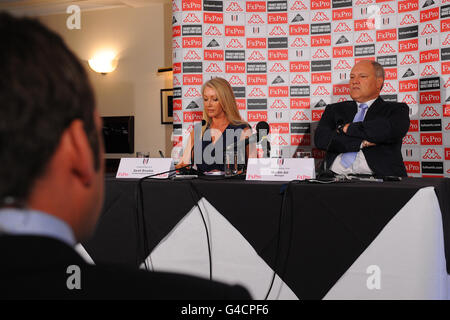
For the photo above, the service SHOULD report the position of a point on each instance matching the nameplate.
(142, 167)
(280, 169)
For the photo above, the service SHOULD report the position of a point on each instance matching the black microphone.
(262, 131)
(327, 173)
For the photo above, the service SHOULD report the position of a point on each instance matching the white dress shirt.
(360, 165)
(27, 222)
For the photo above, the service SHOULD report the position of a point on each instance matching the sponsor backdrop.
(287, 59)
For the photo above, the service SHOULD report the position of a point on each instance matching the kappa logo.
(321, 91)
(255, 19)
(321, 54)
(431, 154)
(256, 56)
(429, 111)
(342, 27)
(299, 79)
(191, 18)
(192, 55)
(429, 29)
(408, 19)
(235, 44)
(386, 48)
(386, 9)
(342, 99)
(448, 126)
(189, 129)
(388, 88)
(363, 2)
(277, 31)
(176, 81)
(447, 84)
(409, 139)
(298, 43)
(279, 141)
(234, 7)
(364, 38)
(256, 92)
(192, 93)
(175, 44)
(300, 116)
(409, 99)
(213, 68)
(175, 7)
(428, 71)
(298, 5)
(278, 67)
(408, 59)
(235, 80)
(176, 118)
(320, 16)
(446, 41)
(342, 65)
(213, 31)
(278, 104)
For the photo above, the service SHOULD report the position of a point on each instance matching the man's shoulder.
(394, 104)
(341, 105)
(54, 264)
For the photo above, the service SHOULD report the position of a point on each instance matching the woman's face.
(211, 103)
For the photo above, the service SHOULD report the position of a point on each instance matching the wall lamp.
(104, 62)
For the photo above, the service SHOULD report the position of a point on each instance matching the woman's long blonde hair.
(226, 98)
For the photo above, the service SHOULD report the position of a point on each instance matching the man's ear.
(380, 82)
(80, 152)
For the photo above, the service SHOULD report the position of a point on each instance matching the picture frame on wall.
(166, 106)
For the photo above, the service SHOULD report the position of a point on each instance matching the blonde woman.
(224, 127)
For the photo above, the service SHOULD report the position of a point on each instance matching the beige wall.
(141, 36)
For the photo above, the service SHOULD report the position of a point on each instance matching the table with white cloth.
(349, 240)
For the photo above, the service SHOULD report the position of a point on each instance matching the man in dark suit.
(364, 136)
(51, 180)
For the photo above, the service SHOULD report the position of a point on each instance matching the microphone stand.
(327, 173)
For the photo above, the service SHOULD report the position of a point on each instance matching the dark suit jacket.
(385, 123)
(34, 267)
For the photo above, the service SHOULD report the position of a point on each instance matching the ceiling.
(46, 7)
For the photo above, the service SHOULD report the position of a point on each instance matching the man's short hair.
(43, 88)
(379, 70)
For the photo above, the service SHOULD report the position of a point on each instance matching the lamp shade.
(103, 62)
